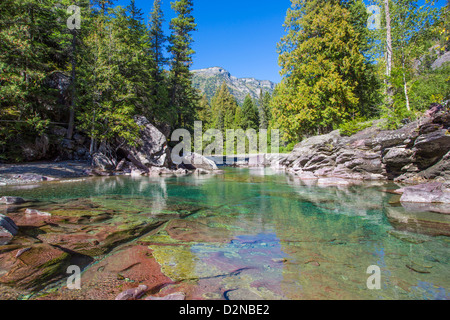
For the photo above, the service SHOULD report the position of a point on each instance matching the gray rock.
(173, 296)
(7, 227)
(102, 162)
(439, 62)
(132, 294)
(12, 200)
(417, 151)
(198, 161)
(152, 149)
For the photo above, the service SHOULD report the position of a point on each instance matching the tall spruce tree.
(158, 109)
(183, 98)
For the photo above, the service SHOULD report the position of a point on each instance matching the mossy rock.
(36, 267)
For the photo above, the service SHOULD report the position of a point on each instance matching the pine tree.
(250, 118)
(158, 106)
(223, 106)
(34, 46)
(265, 115)
(157, 39)
(103, 5)
(205, 113)
(183, 98)
(111, 78)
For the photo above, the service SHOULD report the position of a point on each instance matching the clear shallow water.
(254, 233)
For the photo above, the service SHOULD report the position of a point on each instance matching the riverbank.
(32, 172)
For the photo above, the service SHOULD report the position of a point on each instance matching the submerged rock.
(429, 223)
(35, 267)
(12, 200)
(34, 212)
(173, 296)
(333, 182)
(132, 294)
(7, 227)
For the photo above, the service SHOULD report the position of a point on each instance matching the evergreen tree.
(205, 113)
(34, 47)
(103, 5)
(158, 106)
(265, 115)
(223, 106)
(111, 78)
(250, 118)
(321, 64)
(157, 40)
(183, 98)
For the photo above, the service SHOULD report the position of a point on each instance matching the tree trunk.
(72, 107)
(389, 90)
(405, 86)
(388, 39)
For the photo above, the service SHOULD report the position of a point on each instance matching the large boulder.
(152, 148)
(439, 62)
(102, 162)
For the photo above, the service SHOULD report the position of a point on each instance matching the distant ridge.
(210, 79)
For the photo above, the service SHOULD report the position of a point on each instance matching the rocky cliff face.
(415, 153)
(210, 79)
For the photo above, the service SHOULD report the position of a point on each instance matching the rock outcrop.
(150, 156)
(416, 153)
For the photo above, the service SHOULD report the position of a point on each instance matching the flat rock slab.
(41, 171)
(33, 268)
(426, 193)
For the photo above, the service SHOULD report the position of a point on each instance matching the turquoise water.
(256, 233)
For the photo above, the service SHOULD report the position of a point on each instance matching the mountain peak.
(208, 80)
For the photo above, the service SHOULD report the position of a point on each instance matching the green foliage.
(224, 110)
(183, 98)
(264, 112)
(354, 126)
(322, 65)
(250, 117)
(432, 86)
(396, 116)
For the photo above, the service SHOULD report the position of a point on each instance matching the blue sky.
(238, 35)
